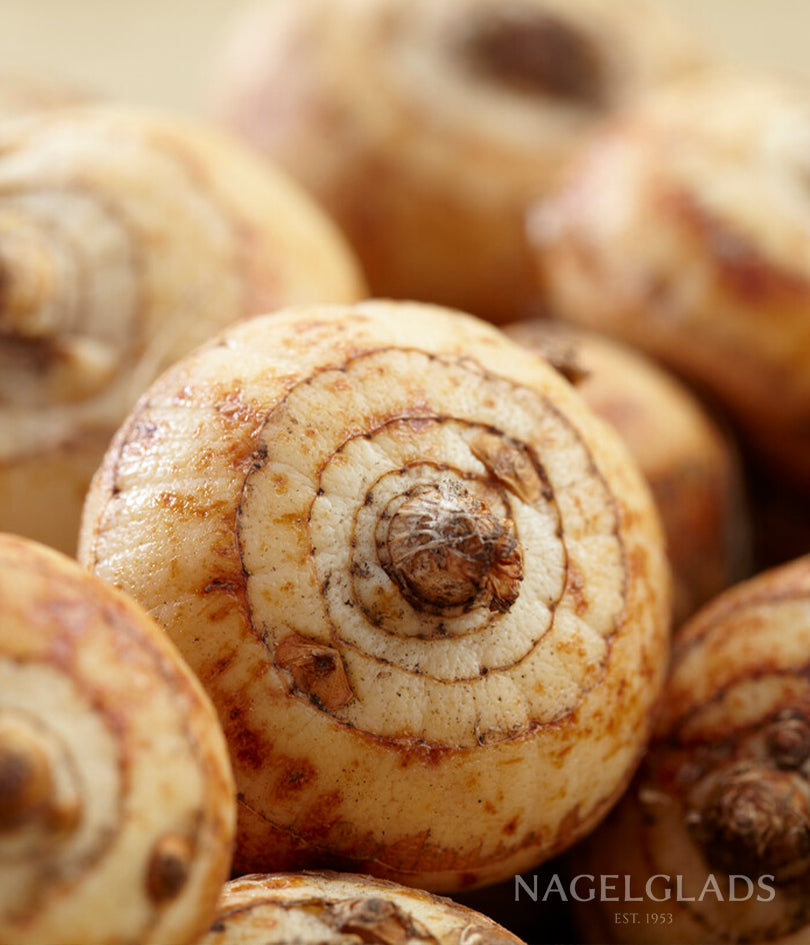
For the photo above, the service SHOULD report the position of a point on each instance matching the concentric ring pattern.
(116, 805)
(718, 818)
(373, 452)
(127, 238)
(407, 563)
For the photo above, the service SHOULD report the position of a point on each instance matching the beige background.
(161, 52)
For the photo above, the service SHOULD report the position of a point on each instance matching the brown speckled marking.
(308, 841)
(233, 408)
(576, 587)
(416, 750)
(227, 584)
(249, 749)
(294, 775)
(319, 816)
(190, 505)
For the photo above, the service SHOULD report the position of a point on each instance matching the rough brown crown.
(445, 549)
(756, 820)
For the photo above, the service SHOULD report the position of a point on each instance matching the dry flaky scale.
(685, 229)
(423, 584)
(714, 835)
(442, 121)
(329, 908)
(689, 461)
(127, 238)
(117, 808)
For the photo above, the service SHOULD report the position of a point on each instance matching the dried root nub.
(756, 820)
(446, 549)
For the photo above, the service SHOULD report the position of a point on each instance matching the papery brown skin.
(127, 238)
(245, 503)
(690, 461)
(117, 802)
(329, 908)
(443, 121)
(725, 787)
(683, 229)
